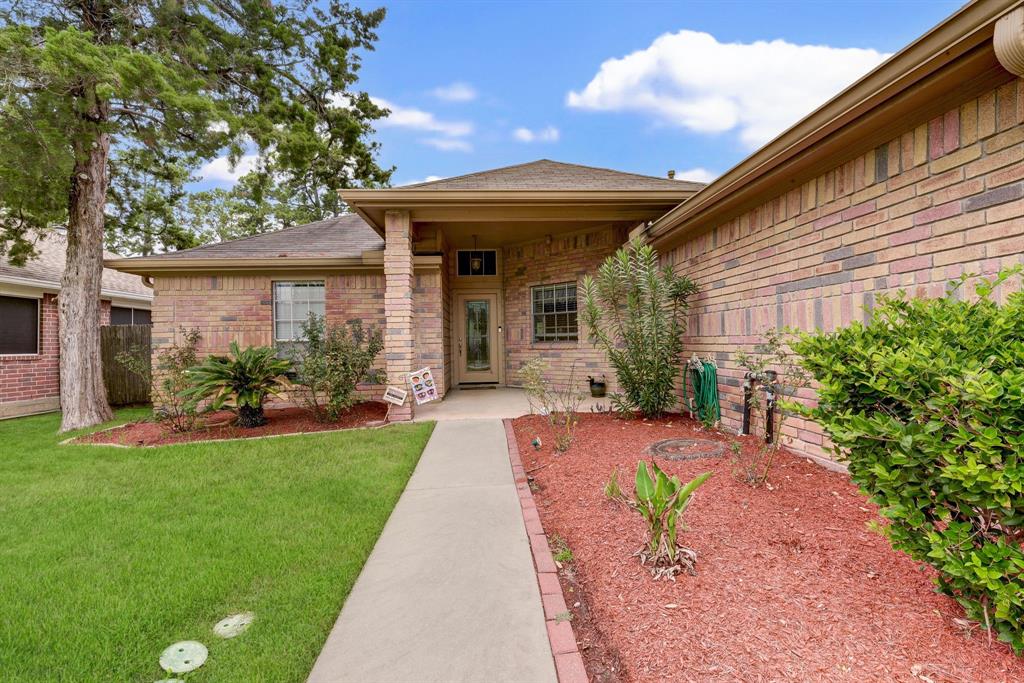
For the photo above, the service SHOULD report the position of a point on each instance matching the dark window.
(477, 262)
(554, 313)
(19, 325)
(121, 315)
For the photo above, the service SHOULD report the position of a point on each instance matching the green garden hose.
(705, 390)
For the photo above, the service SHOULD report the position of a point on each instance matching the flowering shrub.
(926, 403)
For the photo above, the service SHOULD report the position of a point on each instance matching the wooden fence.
(125, 387)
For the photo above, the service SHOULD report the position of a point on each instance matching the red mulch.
(791, 584)
(220, 425)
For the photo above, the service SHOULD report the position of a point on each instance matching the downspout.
(1008, 41)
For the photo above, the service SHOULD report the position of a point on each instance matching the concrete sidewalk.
(449, 592)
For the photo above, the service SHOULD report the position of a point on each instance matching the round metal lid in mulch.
(686, 449)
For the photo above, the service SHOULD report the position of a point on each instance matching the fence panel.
(125, 387)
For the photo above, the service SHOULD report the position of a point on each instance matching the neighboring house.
(910, 177)
(29, 348)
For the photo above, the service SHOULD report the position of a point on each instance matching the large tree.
(104, 104)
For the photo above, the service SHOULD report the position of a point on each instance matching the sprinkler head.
(536, 443)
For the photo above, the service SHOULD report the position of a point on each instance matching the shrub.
(776, 373)
(170, 380)
(560, 404)
(336, 358)
(925, 403)
(635, 311)
(661, 500)
(242, 381)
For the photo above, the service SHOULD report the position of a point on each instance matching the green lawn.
(108, 555)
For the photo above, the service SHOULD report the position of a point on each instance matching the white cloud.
(455, 92)
(697, 175)
(220, 169)
(546, 134)
(448, 144)
(689, 79)
(428, 179)
(418, 119)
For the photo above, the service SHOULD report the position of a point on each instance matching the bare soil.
(791, 583)
(220, 425)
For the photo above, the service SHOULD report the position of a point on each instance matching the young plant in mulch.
(170, 380)
(635, 311)
(777, 373)
(331, 362)
(661, 500)
(559, 403)
(242, 381)
(924, 402)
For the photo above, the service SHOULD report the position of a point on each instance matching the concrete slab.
(496, 403)
(449, 592)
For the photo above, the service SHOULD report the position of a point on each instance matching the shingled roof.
(47, 268)
(545, 174)
(345, 236)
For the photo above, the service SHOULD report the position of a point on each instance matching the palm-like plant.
(242, 381)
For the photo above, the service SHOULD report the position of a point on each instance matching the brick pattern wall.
(943, 198)
(429, 297)
(32, 383)
(566, 259)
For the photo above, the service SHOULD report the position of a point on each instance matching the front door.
(476, 337)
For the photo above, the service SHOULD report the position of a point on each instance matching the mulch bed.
(791, 584)
(220, 425)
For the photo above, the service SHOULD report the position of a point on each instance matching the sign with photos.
(423, 386)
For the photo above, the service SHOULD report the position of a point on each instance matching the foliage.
(661, 500)
(331, 362)
(170, 380)
(243, 382)
(924, 402)
(775, 373)
(560, 404)
(562, 552)
(635, 310)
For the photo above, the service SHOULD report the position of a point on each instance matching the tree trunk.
(250, 417)
(83, 397)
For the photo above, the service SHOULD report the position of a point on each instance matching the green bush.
(336, 358)
(635, 311)
(926, 403)
(170, 380)
(243, 382)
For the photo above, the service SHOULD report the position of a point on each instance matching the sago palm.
(242, 381)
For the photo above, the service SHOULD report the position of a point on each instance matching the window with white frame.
(293, 302)
(555, 313)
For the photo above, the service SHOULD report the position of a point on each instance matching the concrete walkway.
(492, 402)
(449, 592)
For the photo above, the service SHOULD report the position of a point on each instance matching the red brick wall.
(944, 197)
(34, 379)
(566, 259)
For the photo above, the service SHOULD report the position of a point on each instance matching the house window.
(122, 315)
(293, 302)
(554, 313)
(477, 262)
(19, 333)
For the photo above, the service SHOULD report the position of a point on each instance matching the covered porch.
(507, 249)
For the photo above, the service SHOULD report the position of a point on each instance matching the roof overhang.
(460, 206)
(372, 260)
(25, 286)
(913, 85)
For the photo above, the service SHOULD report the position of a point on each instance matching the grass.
(108, 555)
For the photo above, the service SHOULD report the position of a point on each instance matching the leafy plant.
(335, 358)
(170, 380)
(661, 500)
(925, 404)
(562, 554)
(635, 310)
(559, 403)
(775, 373)
(242, 381)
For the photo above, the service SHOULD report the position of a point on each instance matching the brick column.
(399, 349)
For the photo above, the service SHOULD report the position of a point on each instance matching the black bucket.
(598, 387)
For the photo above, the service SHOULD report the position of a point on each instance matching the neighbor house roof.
(545, 174)
(915, 82)
(340, 241)
(45, 270)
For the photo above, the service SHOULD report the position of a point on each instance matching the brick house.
(909, 177)
(29, 356)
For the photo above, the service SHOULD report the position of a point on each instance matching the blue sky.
(639, 86)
